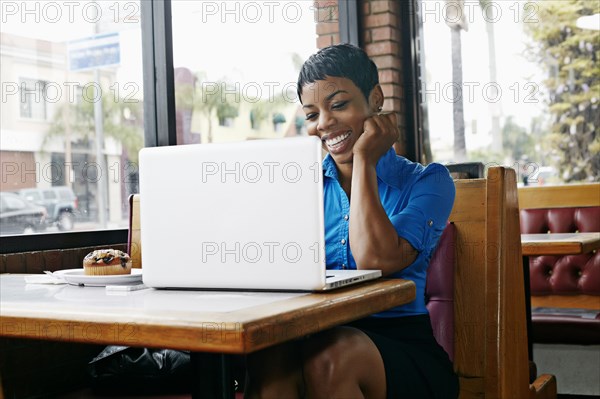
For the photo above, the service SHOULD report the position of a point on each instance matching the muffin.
(103, 262)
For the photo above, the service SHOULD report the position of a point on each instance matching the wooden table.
(217, 322)
(559, 243)
(552, 244)
(589, 302)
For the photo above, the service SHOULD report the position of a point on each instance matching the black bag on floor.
(125, 370)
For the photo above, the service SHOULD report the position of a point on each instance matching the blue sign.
(94, 52)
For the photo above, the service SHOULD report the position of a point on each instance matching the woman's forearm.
(374, 241)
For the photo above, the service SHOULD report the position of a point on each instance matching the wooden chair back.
(134, 243)
(490, 348)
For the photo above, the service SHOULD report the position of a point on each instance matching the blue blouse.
(417, 199)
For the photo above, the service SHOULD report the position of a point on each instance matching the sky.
(254, 45)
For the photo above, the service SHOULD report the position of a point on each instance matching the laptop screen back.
(236, 215)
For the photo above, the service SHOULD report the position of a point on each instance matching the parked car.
(19, 216)
(60, 203)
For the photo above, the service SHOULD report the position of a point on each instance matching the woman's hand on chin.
(379, 134)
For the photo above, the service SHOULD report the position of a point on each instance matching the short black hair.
(343, 61)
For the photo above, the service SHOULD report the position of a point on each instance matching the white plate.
(77, 277)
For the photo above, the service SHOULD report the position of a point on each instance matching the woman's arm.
(374, 241)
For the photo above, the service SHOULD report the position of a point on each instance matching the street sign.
(94, 52)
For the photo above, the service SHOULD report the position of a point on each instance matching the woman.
(391, 212)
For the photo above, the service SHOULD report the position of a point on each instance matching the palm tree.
(262, 108)
(210, 99)
(494, 108)
(122, 121)
(456, 19)
(76, 123)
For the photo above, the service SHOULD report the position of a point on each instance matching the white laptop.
(244, 215)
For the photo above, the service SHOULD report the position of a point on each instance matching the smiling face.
(336, 110)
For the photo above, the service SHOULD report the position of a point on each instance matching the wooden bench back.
(490, 323)
(565, 196)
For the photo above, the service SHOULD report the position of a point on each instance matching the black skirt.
(416, 366)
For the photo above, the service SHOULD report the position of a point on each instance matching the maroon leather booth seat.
(564, 275)
(439, 290)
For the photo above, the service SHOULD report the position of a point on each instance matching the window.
(33, 99)
(72, 106)
(49, 195)
(513, 83)
(14, 204)
(32, 196)
(89, 57)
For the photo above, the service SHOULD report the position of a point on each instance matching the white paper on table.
(44, 279)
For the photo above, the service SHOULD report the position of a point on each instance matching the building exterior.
(39, 143)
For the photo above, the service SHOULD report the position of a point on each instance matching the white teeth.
(332, 142)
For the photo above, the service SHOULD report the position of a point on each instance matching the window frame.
(159, 81)
(348, 22)
(410, 26)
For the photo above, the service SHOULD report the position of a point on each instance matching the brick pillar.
(379, 21)
(328, 28)
(381, 39)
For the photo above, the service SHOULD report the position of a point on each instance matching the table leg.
(212, 376)
(526, 280)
